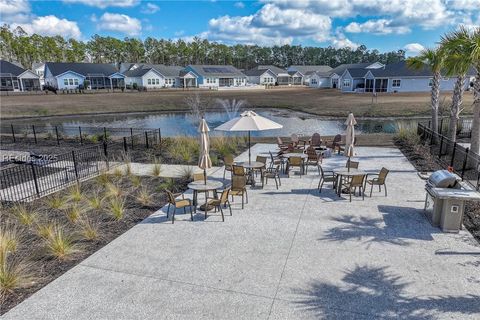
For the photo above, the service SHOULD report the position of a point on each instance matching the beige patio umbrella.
(350, 137)
(204, 161)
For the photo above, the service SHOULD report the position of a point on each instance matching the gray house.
(315, 71)
(16, 78)
(153, 76)
(280, 76)
(395, 77)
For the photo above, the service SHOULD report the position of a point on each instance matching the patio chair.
(178, 204)
(326, 176)
(352, 164)
(263, 160)
(222, 201)
(272, 173)
(199, 176)
(239, 188)
(295, 162)
(281, 145)
(228, 162)
(313, 159)
(378, 181)
(336, 144)
(274, 160)
(354, 183)
(294, 138)
(315, 141)
(238, 170)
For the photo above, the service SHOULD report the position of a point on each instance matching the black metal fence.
(41, 175)
(453, 154)
(464, 127)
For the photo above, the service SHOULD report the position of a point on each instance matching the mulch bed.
(420, 157)
(44, 268)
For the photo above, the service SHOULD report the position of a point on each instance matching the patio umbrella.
(204, 161)
(350, 137)
(249, 121)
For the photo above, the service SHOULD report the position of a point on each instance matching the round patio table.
(341, 172)
(201, 186)
(251, 167)
(293, 154)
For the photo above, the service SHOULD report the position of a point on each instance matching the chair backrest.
(383, 175)
(239, 183)
(262, 159)
(337, 139)
(322, 174)
(352, 164)
(294, 138)
(170, 196)
(228, 160)
(224, 196)
(279, 140)
(238, 170)
(312, 154)
(316, 140)
(295, 161)
(357, 180)
(198, 176)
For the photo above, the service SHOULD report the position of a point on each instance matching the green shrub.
(89, 230)
(14, 274)
(407, 134)
(56, 202)
(24, 215)
(60, 245)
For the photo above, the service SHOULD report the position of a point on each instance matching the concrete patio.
(292, 253)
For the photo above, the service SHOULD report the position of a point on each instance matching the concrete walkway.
(292, 253)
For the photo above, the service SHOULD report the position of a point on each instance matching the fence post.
(105, 151)
(80, 133)
(146, 139)
(104, 134)
(441, 126)
(465, 161)
(453, 154)
(13, 133)
(34, 134)
(56, 133)
(125, 144)
(441, 146)
(159, 137)
(35, 179)
(75, 164)
(131, 136)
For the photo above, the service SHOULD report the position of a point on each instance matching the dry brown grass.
(326, 102)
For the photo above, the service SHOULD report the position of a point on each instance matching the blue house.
(217, 75)
(62, 75)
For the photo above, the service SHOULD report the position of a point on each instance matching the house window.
(75, 81)
(65, 82)
(430, 82)
(157, 81)
(346, 82)
(396, 83)
(70, 82)
(313, 81)
(149, 81)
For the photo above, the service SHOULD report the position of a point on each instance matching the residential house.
(69, 75)
(16, 78)
(395, 77)
(261, 76)
(216, 75)
(39, 69)
(280, 76)
(319, 72)
(153, 76)
(336, 74)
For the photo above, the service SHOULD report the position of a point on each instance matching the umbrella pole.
(205, 175)
(249, 156)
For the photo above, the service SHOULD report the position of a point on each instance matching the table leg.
(206, 204)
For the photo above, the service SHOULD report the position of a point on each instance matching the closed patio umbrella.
(204, 161)
(249, 121)
(350, 137)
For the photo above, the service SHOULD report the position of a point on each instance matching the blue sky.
(379, 24)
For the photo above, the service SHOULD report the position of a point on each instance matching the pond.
(174, 124)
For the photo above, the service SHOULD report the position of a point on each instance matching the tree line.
(16, 45)
(457, 52)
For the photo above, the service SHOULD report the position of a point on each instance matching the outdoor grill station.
(445, 199)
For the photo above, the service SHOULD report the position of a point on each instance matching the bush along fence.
(83, 135)
(452, 154)
(40, 175)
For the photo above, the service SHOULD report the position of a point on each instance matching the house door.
(16, 87)
(369, 85)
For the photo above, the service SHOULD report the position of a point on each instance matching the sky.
(385, 25)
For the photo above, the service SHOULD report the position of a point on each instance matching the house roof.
(84, 69)
(310, 68)
(274, 69)
(401, 69)
(293, 72)
(37, 65)
(341, 68)
(217, 70)
(358, 72)
(168, 71)
(256, 72)
(10, 68)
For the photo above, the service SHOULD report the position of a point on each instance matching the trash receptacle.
(452, 215)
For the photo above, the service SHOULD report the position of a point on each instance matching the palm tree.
(469, 41)
(457, 63)
(434, 60)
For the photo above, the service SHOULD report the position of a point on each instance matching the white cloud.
(340, 41)
(102, 4)
(150, 8)
(12, 11)
(51, 26)
(381, 26)
(467, 5)
(239, 5)
(413, 49)
(119, 23)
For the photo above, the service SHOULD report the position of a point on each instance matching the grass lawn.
(327, 102)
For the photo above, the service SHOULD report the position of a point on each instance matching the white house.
(319, 79)
(337, 72)
(311, 70)
(214, 76)
(66, 75)
(152, 76)
(16, 78)
(280, 76)
(261, 76)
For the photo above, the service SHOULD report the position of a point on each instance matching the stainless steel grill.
(445, 200)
